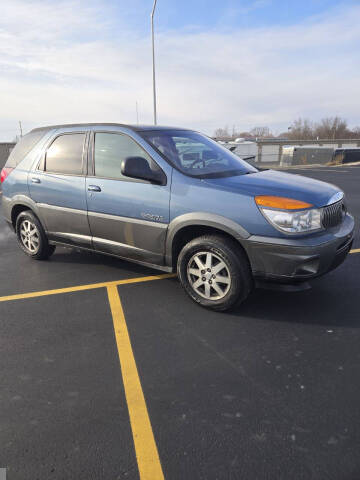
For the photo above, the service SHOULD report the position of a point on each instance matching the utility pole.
(153, 59)
(21, 132)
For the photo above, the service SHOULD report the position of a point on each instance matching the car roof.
(136, 128)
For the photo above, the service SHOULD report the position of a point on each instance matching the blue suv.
(176, 200)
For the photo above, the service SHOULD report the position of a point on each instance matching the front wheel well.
(186, 234)
(15, 212)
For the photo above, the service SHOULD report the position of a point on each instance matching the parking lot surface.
(111, 371)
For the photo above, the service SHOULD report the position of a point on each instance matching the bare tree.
(222, 133)
(284, 135)
(301, 129)
(243, 135)
(355, 132)
(332, 128)
(260, 132)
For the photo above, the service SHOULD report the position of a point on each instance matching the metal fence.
(271, 151)
(5, 149)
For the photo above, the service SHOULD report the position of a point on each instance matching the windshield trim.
(220, 174)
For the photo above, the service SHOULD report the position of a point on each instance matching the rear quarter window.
(23, 147)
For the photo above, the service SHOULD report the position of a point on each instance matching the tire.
(32, 237)
(213, 258)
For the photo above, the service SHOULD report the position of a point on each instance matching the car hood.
(272, 182)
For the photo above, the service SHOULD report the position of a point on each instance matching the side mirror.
(138, 167)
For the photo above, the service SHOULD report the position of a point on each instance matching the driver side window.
(110, 149)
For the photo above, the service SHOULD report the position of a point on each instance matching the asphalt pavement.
(269, 391)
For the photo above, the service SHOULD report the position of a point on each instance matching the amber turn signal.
(284, 203)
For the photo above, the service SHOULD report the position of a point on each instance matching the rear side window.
(23, 147)
(111, 149)
(65, 154)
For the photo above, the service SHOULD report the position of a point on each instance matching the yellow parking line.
(79, 288)
(145, 447)
(356, 250)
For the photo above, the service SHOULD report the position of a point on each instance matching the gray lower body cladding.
(299, 259)
(285, 260)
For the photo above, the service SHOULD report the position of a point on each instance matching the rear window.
(23, 147)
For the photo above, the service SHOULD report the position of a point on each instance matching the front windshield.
(196, 155)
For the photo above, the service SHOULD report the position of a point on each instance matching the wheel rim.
(209, 275)
(29, 235)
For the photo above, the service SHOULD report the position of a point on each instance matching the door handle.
(35, 180)
(94, 188)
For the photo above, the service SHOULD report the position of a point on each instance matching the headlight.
(286, 215)
(294, 222)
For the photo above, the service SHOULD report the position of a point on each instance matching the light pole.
(153, 59)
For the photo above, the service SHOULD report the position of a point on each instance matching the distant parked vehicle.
(346, 155)
(176, 200)
(243, 148)
(303, 155)
(299, 155)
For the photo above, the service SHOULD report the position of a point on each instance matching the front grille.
(333, 214)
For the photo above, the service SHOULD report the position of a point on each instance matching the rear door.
(127, 217)
(57, 185)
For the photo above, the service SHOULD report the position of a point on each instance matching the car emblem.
(152, 217)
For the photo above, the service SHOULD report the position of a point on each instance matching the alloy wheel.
(30, 237)
(209, 275)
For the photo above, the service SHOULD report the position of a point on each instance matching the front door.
(127, 217)
(58, 187)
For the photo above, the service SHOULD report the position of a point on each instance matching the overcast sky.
(243, 63)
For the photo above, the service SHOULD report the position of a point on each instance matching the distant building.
(5, 149)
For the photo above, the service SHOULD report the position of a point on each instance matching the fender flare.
(196, 219)
(28, 202)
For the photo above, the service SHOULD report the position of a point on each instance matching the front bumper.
(292, 259)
